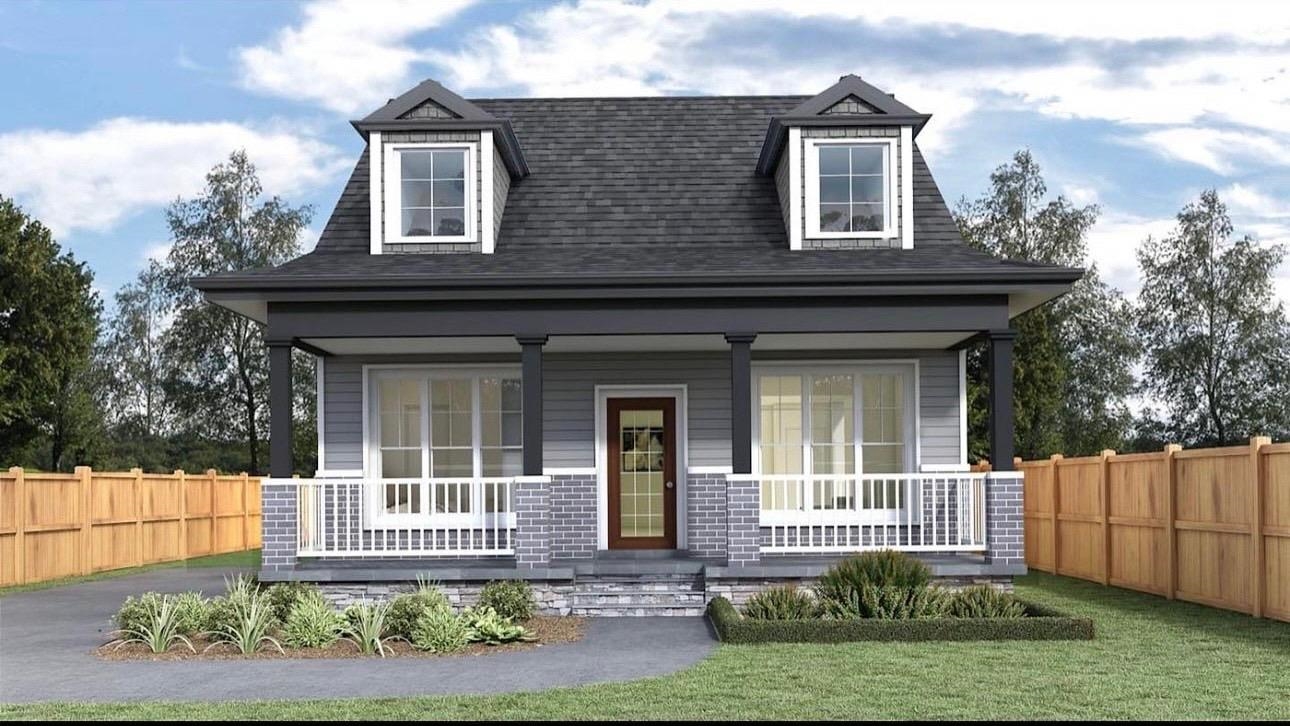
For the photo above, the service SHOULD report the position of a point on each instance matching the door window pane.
(641, 473)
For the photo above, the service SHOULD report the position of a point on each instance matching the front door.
(642, 473)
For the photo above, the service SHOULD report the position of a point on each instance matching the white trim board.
(677, 391)
(320, 382)
(375, 175)
(393, 190)
(889, 165)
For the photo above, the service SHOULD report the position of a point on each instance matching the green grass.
(1151, 659)
(250, 559)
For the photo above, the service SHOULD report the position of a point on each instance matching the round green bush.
(135, 612)
(440, 631)
(871, 602)
(192, 612)
(312, 623)
(782, 603)
(407, 608)
(512, 599)
(984, 601)
(284, 595)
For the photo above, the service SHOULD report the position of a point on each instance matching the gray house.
(638, 351)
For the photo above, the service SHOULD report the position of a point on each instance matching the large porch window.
(438, 437)
(819, 427)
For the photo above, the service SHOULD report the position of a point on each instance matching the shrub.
(192, 612)
(488, 626)
(366, 626)
(312, 623)
(887, 603)
(284, 595)
(225, 612)
(886, 568)
(511, 599)
(156, 625)
(407, 608)
(440, 631)
(781, 603)
(136, 612)
(984, 601)
(251, 620)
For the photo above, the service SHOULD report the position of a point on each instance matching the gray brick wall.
(573, 516)
(743, 521)
(278, 523)
(705, 514)
(532, 522)
(1004, 518)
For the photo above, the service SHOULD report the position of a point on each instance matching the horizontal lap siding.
(569, 402)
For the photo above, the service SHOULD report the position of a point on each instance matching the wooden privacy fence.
(1210, 526)
(60, 525)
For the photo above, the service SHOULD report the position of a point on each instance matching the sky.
(112, 110)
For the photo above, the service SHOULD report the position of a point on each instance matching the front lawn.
(1151, 659)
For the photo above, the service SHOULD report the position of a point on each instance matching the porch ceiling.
(766, 343)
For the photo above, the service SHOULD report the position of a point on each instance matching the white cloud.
(346, 55)
(1113, 244)
(95, 178)
(1220, 151)
(1247, 199)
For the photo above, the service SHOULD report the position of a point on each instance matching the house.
(638, 351)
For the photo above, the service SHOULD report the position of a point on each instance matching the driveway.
(46, 639)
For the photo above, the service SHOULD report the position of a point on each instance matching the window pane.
(512, 429)
(452, 463)
(883, 458)
(834, 160)
(449, 164)
(449, 194)
(781, 424)
(866, 159)
(835, 218)
(450, 222)
(502, 462)
(835, 190)
(400, 463)
(883, 419)
(416, 223)
(866, 189)
(414, 164)
(866, 217)
(415, 194)
(511, 399)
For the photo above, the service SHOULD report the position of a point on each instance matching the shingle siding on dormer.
(885, 132)
(406, 137)
(782, 174)
(501, 188)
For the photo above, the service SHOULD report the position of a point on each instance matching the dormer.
(440, 169)
(843, 166)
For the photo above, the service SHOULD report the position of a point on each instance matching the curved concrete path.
(46, 639)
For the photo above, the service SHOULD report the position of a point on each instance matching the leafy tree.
(1073, 357)
(1216, 337)
(218, 377)
(133, 351)
(48, 323)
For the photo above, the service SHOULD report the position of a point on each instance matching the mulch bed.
(549, 631)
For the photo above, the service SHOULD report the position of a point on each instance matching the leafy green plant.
(136, 612)
(252, 623)
(158, 627)
(193, 612)
(225, 611)
(511, 599)
(440, 631)
(885, 568)
(782, 603)
(284, 595)
(366, 626)
(984, 601)
(488, 626)
(887, 603)
(407, 608)
(312, 623)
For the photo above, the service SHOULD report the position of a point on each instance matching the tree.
(48, 323)
(218, 376)
(134, 353)
(1216, 338)
(1072, 358)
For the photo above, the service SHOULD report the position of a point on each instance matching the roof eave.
(777, 130)
(512, 154)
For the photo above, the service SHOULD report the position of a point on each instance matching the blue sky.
(113, 109)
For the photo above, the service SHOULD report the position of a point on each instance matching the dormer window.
(430, 192)
(850, 188)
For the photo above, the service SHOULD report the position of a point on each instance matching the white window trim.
(394, 191)
(374, 515)
(913, 424)
(889, 167)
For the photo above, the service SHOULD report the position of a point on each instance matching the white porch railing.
(340, 517)
(853, 513)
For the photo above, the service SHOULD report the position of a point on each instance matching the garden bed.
(1039, 623)
(547, 630)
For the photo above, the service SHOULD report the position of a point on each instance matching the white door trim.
(679, 393)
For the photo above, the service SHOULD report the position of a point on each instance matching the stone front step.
(648, 595)
(638, 611)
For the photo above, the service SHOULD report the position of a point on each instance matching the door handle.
(669, 485)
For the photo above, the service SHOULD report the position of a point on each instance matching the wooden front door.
(641, 463)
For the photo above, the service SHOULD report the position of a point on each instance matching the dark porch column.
(531, 377)
(741, 401)
(1000, 364)
(280, 464)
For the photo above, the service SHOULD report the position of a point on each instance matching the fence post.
(83, 475)
(1256, 523)
(1104, 477)
(214, 539)
(246, 514)
(1053, 500)
(183, 513)
(1171, 549)
(138, 516)
(20, 525)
